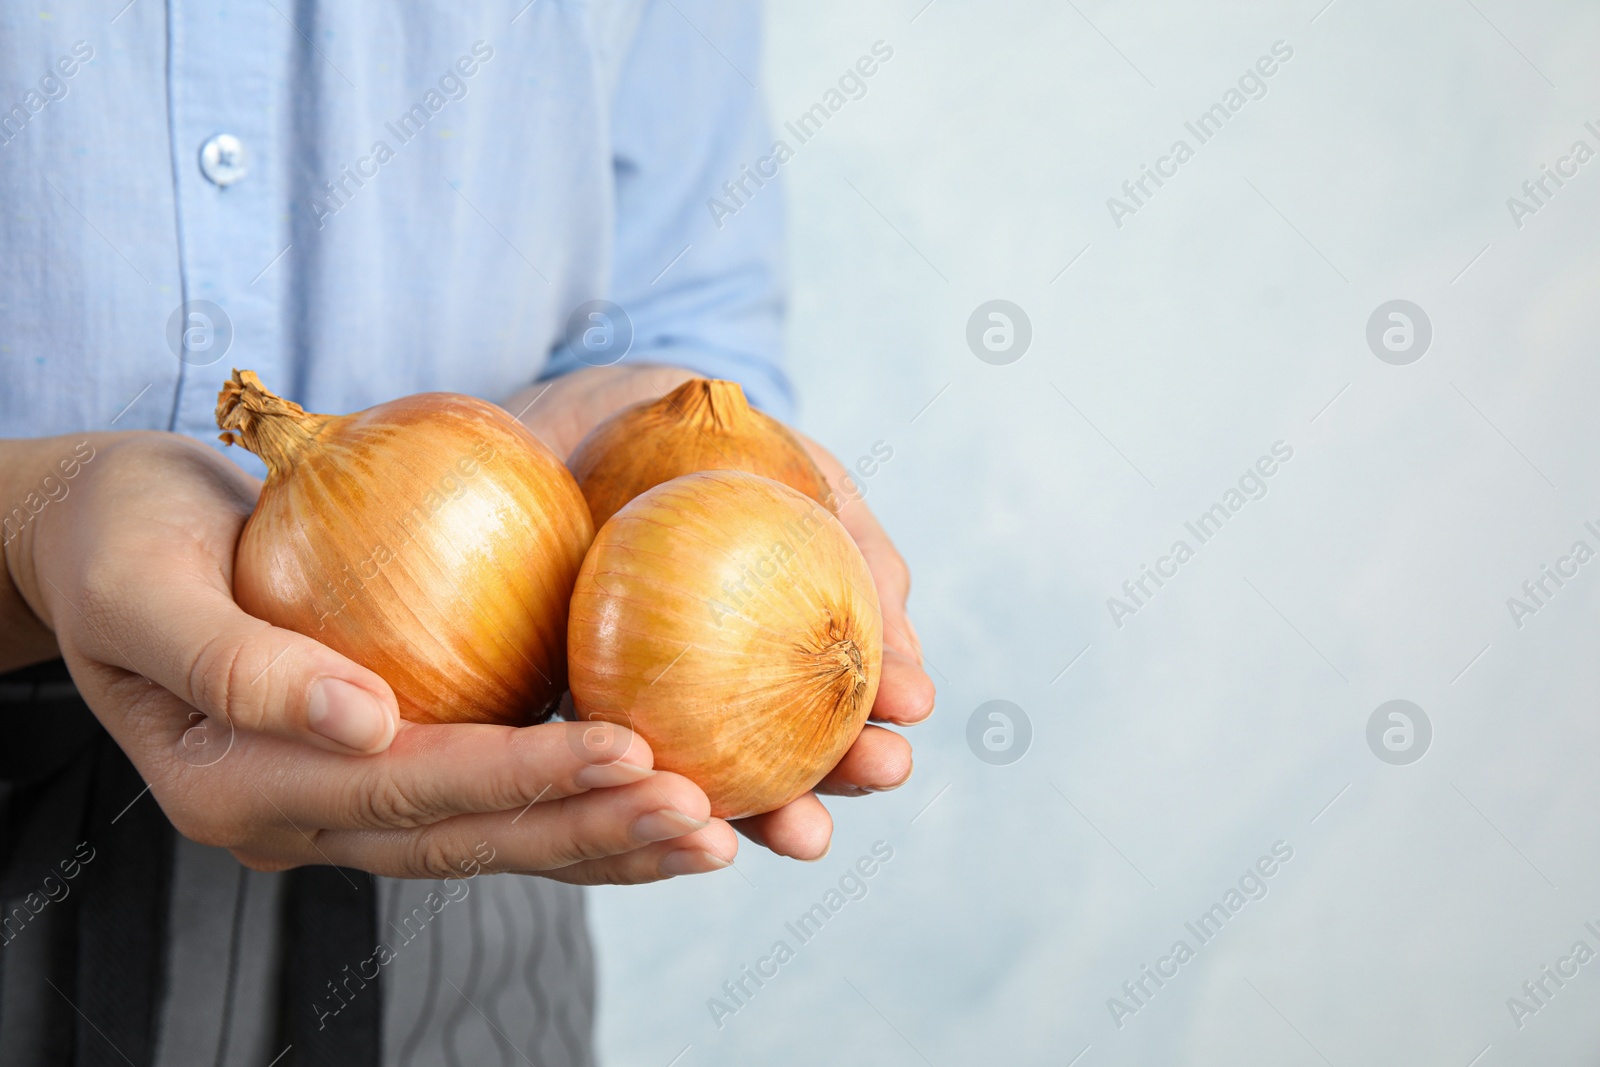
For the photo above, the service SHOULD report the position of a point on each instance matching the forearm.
(36, 474)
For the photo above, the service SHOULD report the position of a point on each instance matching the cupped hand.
(265, 742)
(880, 759)
(561, 412)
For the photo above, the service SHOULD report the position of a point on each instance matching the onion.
(701, 425)
(733, 623)
(432, 539)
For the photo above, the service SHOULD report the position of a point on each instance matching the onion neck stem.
(712, 403)
(258, 419)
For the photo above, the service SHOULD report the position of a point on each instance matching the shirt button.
(222, 159)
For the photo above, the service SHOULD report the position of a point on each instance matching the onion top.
(701, 425)
(432, 539)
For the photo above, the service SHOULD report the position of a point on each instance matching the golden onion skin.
(732, 622)
(702, 425)
(432, 539)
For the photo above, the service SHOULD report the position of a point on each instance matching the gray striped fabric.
(490, 970)
(222, 962)
(505, 975)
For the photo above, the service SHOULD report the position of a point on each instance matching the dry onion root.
(733, 623)
(701, 425)
(432, 539)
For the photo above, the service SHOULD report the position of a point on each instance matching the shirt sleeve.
(698, 260)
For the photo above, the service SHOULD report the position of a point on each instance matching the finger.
(269, 680)
(160, 606)
(588, 826)
(435, 772)
(880, 760)
(874, 542)
(889, 572)
(916, 638)
(905, 692)
(801, 829)
(186, 634)
(898, 633)
(238, 789)
(701, 852)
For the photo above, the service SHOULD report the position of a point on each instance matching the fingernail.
(819, 859)
(690, 861)
(664, 826)
(348, 714)
(893, 785)
(610, 774)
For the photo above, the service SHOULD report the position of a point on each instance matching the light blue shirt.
(375, 200)
(380, 198)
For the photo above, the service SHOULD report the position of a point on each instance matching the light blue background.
(1226, 714)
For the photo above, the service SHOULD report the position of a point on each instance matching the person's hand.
(562, 411)
(880, 759)
(305, 759)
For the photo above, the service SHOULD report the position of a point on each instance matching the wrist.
(40, 476)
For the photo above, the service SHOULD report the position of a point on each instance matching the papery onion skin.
(732, 622)
(432, 539)
(702, 425)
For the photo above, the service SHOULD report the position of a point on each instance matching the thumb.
(198, 644)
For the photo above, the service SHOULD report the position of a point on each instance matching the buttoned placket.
(229, 67)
